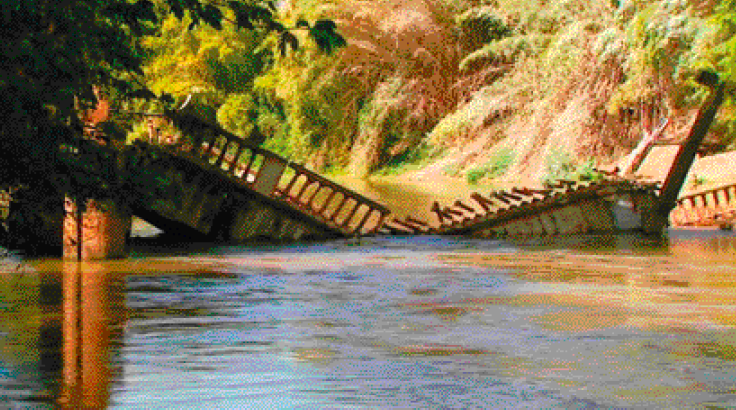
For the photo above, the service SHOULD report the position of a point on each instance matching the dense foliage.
(543, 79)
(53, 53)
(534, 85)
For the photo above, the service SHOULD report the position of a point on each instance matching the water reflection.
(58, 328)
(93, 313)
(30, 361)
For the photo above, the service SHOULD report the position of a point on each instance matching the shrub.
(479, 26)
(497, 166)
(561, 165)
(410, 159)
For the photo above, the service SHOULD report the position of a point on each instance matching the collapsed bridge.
(220, 187)
(214, 185)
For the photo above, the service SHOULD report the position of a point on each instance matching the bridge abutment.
(103, 232)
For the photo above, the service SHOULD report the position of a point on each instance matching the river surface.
(380, 323)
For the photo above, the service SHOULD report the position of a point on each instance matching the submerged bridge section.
(566, 208)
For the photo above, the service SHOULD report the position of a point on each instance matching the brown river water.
(381, 323)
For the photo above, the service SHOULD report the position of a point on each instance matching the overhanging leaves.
(212, 16)
(247, 14)
(242, 17)
(324, 35)
(286, 39)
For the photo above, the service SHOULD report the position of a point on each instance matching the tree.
(51, 54)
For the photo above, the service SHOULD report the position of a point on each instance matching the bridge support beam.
(103, 231)
(657, 218)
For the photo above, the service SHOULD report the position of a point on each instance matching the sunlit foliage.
(397, 77)
(54, 53)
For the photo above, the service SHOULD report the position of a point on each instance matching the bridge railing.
(278, 178)
(723, 196)
(706, 207)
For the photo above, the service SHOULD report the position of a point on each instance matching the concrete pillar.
(653, 222)
(104, 230)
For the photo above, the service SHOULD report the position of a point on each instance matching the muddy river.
(380, 323)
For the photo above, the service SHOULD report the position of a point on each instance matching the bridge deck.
(566, 208)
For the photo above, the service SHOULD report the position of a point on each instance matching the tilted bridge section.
(220, 186)
(567, 207)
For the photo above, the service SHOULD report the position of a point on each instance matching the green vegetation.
(433, 73)
(560, 165)
(411, 159)
(445, 73)
(157, 51)
(368, 86)
(440, 73)
(499, 163)
(133, 51)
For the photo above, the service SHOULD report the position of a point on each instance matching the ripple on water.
(393, 326)
(343, 341)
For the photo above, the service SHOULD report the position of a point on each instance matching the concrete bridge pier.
(103, 232)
